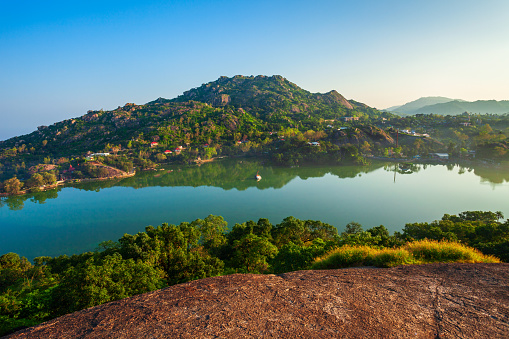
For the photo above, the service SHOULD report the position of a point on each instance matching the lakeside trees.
(171, 254)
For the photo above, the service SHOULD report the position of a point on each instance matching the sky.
(59, 59)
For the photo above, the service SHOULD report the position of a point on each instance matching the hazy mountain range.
(448, 106)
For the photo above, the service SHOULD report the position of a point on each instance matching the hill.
(216, 110)
(229, 116)
(265, 94)
(447, 106)
(412, 106)
(457, 107)
(426, 301)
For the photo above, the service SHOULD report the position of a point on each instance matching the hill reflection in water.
(238, 174)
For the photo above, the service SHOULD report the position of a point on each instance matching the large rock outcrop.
(428, 301)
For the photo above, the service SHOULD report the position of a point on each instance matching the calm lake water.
(75, 219)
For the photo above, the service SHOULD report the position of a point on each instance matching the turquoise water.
(75, 219)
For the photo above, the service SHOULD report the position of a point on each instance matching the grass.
(418, 252)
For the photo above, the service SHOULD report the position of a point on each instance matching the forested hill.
(218, 111)
(267, 95)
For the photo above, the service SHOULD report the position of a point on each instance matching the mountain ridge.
(447, 106)
(411, 106)
(457, 107)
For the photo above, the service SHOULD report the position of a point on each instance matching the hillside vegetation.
(260, 116)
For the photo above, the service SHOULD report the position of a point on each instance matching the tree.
(352, 228)
(212, 229)
(160, 157)
(290, 229)
(12, 185)
(366, 147)
(36, 180)
(99, 281)
(12, 268)
(251, 253)
(116, 149)
(175, 249)
(49, 178)
(292, 257)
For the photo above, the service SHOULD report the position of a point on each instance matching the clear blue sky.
(59, 59)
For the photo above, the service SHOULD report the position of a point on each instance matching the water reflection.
(229, 174)
(237, 174)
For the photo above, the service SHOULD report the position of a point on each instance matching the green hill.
(229, 116)
(216, 110)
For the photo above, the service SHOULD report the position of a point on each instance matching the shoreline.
(487, 163)
(68, 181)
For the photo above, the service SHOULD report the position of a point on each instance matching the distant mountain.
(457, 107)
(392, 108)
(447, 106)
(412, 106)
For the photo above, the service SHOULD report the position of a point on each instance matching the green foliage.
(251, 253)
(175, 249)
(212, 230)
(352, 228)
(12, 269)
(12, 186)
(99, 281)
(172, 254)
(481, 230)
(292, 257)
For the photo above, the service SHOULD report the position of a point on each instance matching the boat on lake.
(258, 177)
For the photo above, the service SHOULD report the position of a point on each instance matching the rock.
(426, 301)
(336, 98)
(221, 100)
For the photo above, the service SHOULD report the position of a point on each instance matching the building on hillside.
(154, 144)
(350, 119)
(314, 143)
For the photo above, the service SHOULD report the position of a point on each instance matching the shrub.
(391, 257)
(418, 252)
(428, 251)
(346, 256)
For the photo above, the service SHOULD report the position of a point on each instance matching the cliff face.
(428, 301)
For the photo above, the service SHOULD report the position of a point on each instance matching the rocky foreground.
(427, 301)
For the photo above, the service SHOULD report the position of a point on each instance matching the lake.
(71, 220)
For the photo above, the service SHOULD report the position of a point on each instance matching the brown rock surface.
(427, 301)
